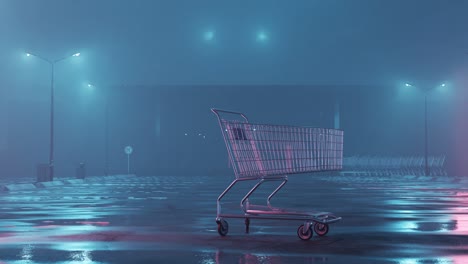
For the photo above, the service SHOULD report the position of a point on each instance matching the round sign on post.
(128, 150)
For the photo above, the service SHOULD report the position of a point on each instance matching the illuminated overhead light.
(76, 54)
(28, 54)
(262, 36)
(443, 87)
(209, 35)
(90, 86)
(408, 85)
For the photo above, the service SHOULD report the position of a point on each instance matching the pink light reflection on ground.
(47, 226)
(461, 214)
(460, 259)
(102, 223)
(116, 236)
(220, 257)
(6, 235)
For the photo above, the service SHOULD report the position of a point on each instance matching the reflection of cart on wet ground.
(264, 153)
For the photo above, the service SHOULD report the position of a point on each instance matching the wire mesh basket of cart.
(263, 153)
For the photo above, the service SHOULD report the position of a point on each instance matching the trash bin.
(81, 171)
(43, 172)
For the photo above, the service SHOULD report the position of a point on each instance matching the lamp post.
(106, 132)
(52, 72)
(426, 148)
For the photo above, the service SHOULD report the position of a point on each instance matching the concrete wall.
(154, 121)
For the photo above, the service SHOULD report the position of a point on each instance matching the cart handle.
(218, 111)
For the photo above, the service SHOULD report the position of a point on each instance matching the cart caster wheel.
(304, 236)
(321, 229)
(247, 225)
(223, 227)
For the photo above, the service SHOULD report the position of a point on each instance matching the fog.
(149, 72)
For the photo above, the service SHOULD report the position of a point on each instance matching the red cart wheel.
(304, 236)
(321, 229)
(223, 227)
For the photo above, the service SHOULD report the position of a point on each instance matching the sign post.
(128, 150)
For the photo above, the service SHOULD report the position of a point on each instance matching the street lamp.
(209, 35)
(106, 170)
(52, 70)
(262, 36)
(426, 164)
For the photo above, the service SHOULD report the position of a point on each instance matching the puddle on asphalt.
(456, 259)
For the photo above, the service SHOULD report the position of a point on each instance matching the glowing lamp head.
(209, 35)
(28, 54)
(90, 86)
(443, 87)
(408, 85)
(262, 37)
(76, 54)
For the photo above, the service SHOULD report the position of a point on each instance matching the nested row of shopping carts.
(387, 165)
(269, 153)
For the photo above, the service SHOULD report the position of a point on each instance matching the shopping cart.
(265, 153)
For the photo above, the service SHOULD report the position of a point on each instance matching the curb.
(57, 183)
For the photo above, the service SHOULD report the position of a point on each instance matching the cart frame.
(270, 155)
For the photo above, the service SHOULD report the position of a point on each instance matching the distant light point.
(209, 35)
(76, 54)
(262, 36)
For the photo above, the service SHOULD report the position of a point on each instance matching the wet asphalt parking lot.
(166, 219)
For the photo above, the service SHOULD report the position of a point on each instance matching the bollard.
(43, 174)
(81, 171)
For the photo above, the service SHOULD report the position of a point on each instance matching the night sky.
(238, 42)
(124, 45)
